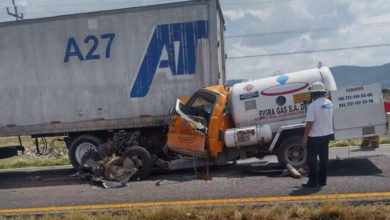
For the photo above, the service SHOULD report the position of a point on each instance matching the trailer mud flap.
(359, 111)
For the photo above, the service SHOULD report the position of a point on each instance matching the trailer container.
(87, 75)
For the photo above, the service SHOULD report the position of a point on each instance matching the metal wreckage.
(117, 161)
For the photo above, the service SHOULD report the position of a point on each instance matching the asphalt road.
(354, 171)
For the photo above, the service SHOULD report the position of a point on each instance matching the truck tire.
(80, 146)
(145, 159)
(291, 151)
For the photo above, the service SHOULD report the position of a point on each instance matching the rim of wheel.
(137, 160)
(82, 149)
(296, 155)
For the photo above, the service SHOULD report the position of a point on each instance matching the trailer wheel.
(80, 146)
(142, 161)
(291, 151)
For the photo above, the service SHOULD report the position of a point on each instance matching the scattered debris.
(57, 148)
(294, 173)
(109, 165)
(78, 175)
(112, 184)
(266, 168)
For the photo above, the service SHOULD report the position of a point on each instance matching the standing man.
(318, 132)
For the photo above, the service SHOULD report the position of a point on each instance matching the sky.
(268, 37)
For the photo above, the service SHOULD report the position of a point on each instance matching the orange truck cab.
(199, 124)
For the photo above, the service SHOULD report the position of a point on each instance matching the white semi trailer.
(86, 76)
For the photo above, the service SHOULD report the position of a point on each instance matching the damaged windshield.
(201, 104)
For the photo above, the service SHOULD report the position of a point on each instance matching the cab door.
(188, 127)
(184, 138)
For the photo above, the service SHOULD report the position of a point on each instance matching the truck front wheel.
(142, 161)
(80, 146)
(291, 151)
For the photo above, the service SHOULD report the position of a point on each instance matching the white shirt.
(320, 112)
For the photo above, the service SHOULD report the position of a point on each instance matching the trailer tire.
(80, 146)
(146, 163)
(291, 151)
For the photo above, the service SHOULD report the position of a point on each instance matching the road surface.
(355, 174)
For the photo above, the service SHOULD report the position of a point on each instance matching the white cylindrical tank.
(248, 136)
(277, 100)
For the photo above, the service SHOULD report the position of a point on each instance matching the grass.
(32, 161)
(327, 210)
(4, 141)
(357, 142)
(58, 156)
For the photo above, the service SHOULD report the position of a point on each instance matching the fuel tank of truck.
(276, 100)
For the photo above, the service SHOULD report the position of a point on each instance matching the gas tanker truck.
(267, 116)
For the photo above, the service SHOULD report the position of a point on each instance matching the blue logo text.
(172, 46)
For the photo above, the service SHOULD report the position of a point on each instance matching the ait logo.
(172, 49)
(284, 87)
(248, 87)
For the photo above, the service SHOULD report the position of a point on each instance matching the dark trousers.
(318, 147)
